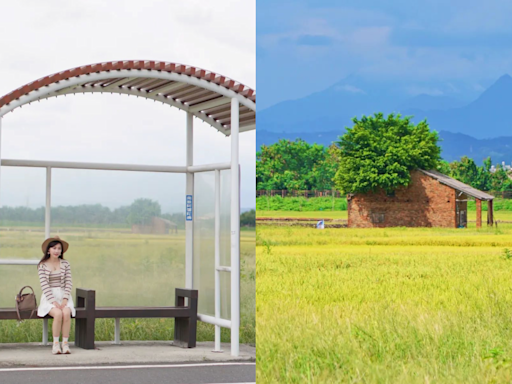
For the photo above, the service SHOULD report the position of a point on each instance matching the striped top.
(64, 280)
(54, 279)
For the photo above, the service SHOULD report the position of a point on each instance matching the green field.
(311, 214)
(498, 215)
(394, 305)
(128, 270)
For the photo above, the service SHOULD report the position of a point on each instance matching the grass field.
(126, 270)
(311, 214)
(394, 305)
(498, 215)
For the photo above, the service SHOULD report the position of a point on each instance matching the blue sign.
(189, 208)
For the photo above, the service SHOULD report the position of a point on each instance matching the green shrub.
(278, 203)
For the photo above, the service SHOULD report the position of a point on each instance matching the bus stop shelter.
(225, 104)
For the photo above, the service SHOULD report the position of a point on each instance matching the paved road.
(192, 373)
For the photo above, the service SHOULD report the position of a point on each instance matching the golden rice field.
(127, 270)
(395, 305)
(499, 215)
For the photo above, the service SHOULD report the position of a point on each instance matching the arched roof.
(205, 94)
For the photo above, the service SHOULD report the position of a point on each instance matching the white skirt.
(45, 306)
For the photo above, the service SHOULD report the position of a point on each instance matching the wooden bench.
(185, 327)
(10, 314)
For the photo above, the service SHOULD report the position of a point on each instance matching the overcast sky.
(41, 38)
(304, 46)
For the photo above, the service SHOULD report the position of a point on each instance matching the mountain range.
(476, 128)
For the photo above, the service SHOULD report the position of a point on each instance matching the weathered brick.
(424, 203)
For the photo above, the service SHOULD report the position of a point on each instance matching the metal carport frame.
(226, 105)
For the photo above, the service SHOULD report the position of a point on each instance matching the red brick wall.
(424, 203)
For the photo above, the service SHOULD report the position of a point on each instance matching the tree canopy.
(295, 165)
(379, 153)
(479, 177)
(142, 210)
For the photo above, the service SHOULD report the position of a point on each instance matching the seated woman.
(56, 284)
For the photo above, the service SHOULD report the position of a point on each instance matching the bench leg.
(84, 328)
(45, 331)
(117, 335)
(185, 329)
(84, 333)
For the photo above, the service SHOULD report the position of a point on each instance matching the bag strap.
(18, 311)
(19, 316)
(26, 286)
(32, 313)
(17, 302)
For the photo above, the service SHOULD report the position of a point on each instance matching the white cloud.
(349, 88)
(417, 90)
(368, 37)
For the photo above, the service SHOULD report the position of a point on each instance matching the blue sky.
(304, 46)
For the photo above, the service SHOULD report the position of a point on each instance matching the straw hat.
(65, 245)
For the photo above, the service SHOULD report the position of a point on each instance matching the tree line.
(139, 212)
(376, 152)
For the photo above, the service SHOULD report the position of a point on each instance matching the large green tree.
(379, 152)
(142, 210)
(295, 165)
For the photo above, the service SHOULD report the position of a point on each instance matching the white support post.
(235, 230)
(48, 208)
(45, 332)
(0, 148)
(117, 334)
(189, 223)
(217, 259)
(47, 221)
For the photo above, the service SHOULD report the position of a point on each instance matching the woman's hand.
(57, 305)
(64, 303)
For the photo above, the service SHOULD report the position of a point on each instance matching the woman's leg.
(56, 313)
(66, 322)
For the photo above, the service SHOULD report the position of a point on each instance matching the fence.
(316, 193)
(297, 193)
(503, 195)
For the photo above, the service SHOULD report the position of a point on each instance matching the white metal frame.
(69, 86)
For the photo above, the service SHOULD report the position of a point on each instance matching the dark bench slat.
(139, 312)
(10, 314)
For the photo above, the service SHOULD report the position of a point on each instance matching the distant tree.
(248, 219)
(500, 180)
(142, 210)
(469, 173)
(295, 165)
(464, 170)
(379, 153)
(176, 218)
(444, 167)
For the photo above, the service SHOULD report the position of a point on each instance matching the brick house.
(158, 226)
(431, 200)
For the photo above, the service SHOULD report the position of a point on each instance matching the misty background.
(108, 128)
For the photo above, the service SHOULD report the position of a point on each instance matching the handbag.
(26, 302)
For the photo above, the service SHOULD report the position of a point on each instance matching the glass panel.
(22, 201)
(225, 242)
(126, 233)
(225, 218)
(225, 295)
(204, 241)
